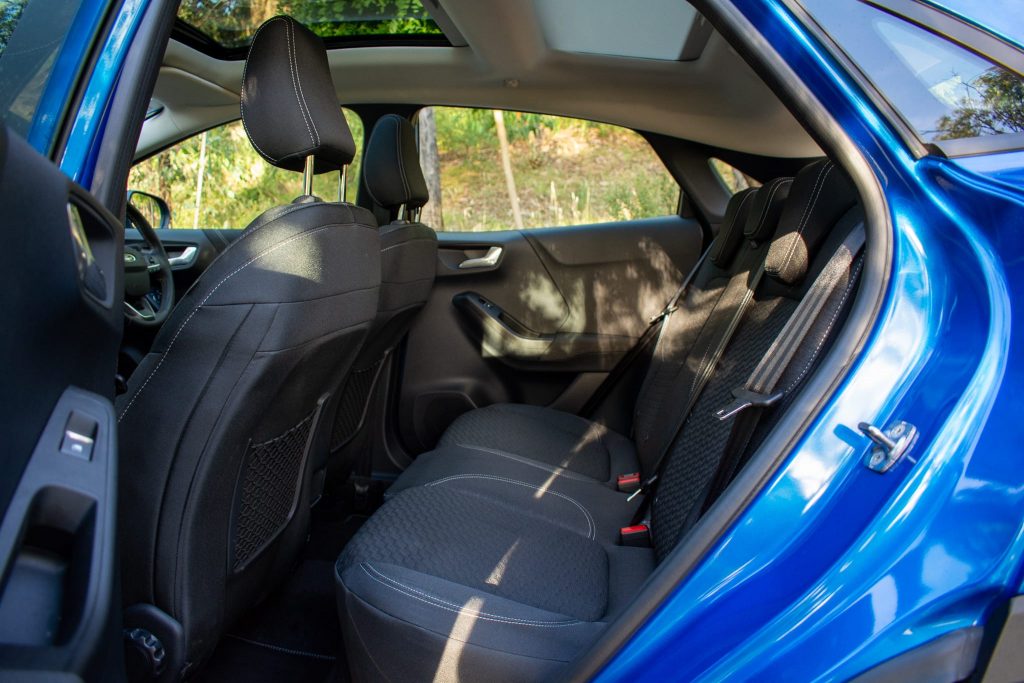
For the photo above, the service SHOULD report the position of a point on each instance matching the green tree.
(994, 105)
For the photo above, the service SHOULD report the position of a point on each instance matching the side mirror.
(152, 208)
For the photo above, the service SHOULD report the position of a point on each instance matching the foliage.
(994, 105)
(233, 23)
(10, 12)
(567, 172)
(238, 184)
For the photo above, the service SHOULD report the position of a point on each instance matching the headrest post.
(307, 176)
(401, 212)
(343, 184)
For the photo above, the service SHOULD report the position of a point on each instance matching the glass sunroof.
(231, 23)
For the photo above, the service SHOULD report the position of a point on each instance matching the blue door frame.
(834, 568)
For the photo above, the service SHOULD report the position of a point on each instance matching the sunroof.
(231, 23)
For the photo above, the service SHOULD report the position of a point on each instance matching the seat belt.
(761, 388)
(651, 334)
(706, 369)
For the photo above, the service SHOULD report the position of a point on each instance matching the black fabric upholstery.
(224, 422)
(289, 107)
(391, 171)
(408, 255)
(270, 327)
(731, 233)
(496, 555)
(550, 437)
(764, 214)
(442, 563)
(820, 195)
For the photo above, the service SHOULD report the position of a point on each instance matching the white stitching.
(721, 233)
(245, 70)
(293, 68)
(435, 601)
(811, 203)
(285, 650)
(592, 527)
(298, 80)
(398, 157)
(764, 212)
(203, 302)
(828, 329)
(560, 471)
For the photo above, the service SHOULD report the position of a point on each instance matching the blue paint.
(65, 75)
(79, 159)
(833, 568)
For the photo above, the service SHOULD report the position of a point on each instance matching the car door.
(533, 314)
(62, 276)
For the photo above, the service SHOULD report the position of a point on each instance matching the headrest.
(391, 166)
(763, 217)
(289, 107)
(731, 233)
(820, 195)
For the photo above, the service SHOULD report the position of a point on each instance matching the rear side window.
(732, 178)
(495, 170)
(32, 36)
(942, 90)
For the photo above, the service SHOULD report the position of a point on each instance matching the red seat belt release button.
(628, 483)
(636, 536)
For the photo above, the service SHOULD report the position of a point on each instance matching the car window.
(732, 178)
(505, 170)
(217, 180)
(943, 91)
(32, 35)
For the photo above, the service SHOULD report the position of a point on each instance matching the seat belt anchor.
(744, 398)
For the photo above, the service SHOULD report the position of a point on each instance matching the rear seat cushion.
(549, 437)
(444, 564)
(561, 497)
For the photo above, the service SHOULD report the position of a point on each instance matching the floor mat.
(294, 634)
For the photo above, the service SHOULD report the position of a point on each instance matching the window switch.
(79, 436)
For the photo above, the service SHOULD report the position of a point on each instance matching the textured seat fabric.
(480, 567)
(472, 587)
(550, 437)
(222, 425)
(408, 255)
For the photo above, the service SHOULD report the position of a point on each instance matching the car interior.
(354, 444)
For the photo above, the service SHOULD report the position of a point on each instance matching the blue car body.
(834, 568)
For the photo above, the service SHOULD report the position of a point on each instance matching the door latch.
(889, 446)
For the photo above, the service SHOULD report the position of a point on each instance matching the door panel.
(189, 251)
(62, 275)
(543, 323)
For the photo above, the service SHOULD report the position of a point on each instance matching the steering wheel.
(148, 283)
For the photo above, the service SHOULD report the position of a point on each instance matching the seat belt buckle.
(635, 536)
(628, 483)
(744, 398)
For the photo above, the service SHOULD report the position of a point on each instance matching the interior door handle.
(185, 258)
(488, 260)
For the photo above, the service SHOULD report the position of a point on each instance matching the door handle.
(488, 260)
(185, 258)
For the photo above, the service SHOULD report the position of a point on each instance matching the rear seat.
(499, 556)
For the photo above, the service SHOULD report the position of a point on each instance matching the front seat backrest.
(222, 424)
(394, 181)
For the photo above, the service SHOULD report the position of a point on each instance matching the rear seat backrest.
(819, 198)
(687, 335)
